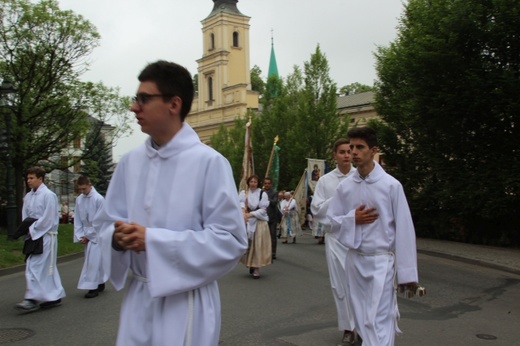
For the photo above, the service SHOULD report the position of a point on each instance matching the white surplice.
(380, 254)
(185, 196)
(335, 252)
(41, 273)
(256, 206)
(86, 208)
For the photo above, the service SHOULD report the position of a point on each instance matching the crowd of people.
(178, 229)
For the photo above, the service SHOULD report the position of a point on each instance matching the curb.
(21, 268)
(470, 261)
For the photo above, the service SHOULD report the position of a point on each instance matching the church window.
(235, 39)
(212, 41)
(210, 88)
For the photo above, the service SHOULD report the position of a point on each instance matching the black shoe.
(251, 270)
(273, 256)
(92, 294)
(101, 287)
(50, 304)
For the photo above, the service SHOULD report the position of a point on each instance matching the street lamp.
(5, 89)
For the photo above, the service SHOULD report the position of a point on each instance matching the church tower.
(224, 82)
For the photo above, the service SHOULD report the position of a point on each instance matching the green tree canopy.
(44, 51)
(257, 84)
(355, 88)
(98, 164)
(448, 95)
(302, 112)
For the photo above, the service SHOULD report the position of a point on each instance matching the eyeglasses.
(143, 98)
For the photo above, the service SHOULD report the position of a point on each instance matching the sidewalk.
(505, 259)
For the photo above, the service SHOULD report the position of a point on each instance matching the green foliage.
(97, 164)
(302, 111)
(230, 143)
(11, 250)
(257, 84)
(44, 51)
(355, 88)
(448, 95)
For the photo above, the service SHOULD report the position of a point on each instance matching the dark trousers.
(274, 239)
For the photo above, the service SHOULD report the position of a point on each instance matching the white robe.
(185, 196)
(335, 252)
(257, 207)
(290, 223)
(380, 254)
(41, 273)
(86, 208)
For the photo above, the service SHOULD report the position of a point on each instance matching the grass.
(11, 250)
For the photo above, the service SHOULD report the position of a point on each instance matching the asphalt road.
(291, 304)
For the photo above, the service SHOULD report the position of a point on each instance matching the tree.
(44, 51)
(303, 112)
(317, 123)
(448, 95)
(355, 88)
(230, 143)
(98, 165)
(257, 84)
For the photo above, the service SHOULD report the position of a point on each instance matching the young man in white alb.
(177, 222)
(370, 216)
(336, 252)
(89, 203)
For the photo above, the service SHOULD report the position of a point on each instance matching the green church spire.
(273, 69)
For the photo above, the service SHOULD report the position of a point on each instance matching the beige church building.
(224, 92)
(224, 82)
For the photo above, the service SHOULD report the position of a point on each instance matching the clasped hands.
(130, 236)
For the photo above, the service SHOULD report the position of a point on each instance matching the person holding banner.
(334, 250)
(272, 212)
(254, 203)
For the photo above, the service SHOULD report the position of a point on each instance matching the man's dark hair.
(268, 178)
(368, 134)
(83, 180)
(37, 171)
(171, 80)
(339, 142)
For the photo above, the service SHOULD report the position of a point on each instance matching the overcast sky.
(136, 32)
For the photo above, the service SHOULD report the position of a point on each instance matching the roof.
(228, 6)
(356, 100)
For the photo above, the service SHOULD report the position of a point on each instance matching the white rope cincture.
(189, 329)
(53, 235)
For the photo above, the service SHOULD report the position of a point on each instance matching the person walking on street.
(272, 212)
(336, 253)
(254, 203)
(290, 223)
(89, 203)
(370, 216)
(174, 220)
(39, 212)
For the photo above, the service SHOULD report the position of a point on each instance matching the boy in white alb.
(89, 204)
(370, 215)
(336, 252)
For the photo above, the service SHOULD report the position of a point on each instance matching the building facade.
(224, 82)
